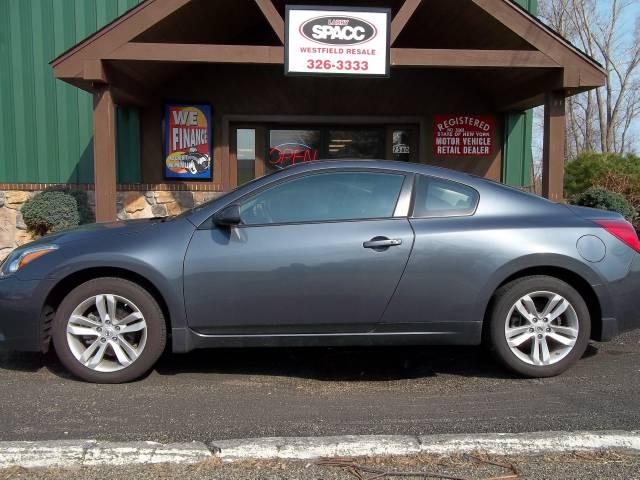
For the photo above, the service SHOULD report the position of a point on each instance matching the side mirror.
(228, 216)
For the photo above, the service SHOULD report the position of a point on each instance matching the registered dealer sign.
(330, 41)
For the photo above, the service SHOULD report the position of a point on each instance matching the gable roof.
(581, 72)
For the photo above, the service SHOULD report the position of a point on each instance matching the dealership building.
(157, 105)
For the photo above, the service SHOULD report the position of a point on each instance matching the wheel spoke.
(101, 305)
(128, 348)
(130, 318)
(122, 357)
(85, 321)
(89, 351)
(558, 309)
(535, 351)
(134, 327)
(77, 330)
(551, 304)
(518, 340)
(99, 355)
(567, 331)
(546, 355)
(562, 339)
(527, 308)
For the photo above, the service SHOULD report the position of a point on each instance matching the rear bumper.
(623, 313)
(21, 304)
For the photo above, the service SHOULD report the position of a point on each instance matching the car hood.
(125, 227)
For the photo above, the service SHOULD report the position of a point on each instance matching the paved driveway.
(220, 394)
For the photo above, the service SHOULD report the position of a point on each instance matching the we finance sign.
(187, 146)
(337, 42)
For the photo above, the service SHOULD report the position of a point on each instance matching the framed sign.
(187, 146)
(337, 41)
(463, 135)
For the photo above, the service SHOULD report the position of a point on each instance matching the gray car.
(328, 254)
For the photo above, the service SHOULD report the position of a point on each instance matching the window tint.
(325, 197)
(442, 198)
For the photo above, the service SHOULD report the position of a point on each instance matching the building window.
(246, 154)
(401, 147)
(288, 147)
(362, 144)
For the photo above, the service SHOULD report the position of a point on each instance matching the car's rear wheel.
(109, 330)
(539, 326)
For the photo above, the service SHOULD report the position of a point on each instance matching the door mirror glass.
(228, 216)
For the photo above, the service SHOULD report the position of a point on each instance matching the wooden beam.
(92, 71)
(198, 53)
(553, 156)
(205, 53)
(104, 154)
(120, 31)
(470, 58)
(402, 18)
(273, 17)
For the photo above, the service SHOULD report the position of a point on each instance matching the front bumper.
(21, 316)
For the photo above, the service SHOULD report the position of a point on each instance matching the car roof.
(407, 167)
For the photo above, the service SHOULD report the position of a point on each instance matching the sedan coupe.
(330, 253)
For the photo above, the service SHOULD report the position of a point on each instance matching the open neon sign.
(291, 154)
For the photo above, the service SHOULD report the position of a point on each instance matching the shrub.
(597, 197)
(50, 211)
(84, 210)
(617, 173)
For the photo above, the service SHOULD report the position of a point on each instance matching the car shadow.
(344, 364)
(336, 364)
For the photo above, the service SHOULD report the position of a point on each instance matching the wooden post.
(104, 154)
(554, 146)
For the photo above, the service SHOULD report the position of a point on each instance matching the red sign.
(463, 135)
(291, 154)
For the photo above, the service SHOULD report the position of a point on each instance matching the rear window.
(435, 197)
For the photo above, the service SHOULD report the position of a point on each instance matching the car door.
(317, 253)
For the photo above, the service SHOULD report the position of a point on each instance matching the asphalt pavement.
(220, 394)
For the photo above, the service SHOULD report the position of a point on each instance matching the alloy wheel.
(541, 328)
(106, 333)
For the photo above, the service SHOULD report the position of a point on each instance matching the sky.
(628, 24)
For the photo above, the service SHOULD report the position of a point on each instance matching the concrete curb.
(70, 453)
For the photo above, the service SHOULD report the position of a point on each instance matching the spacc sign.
(187, 149)
(463, 135)
(328, 41)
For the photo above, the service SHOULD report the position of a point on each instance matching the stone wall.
(130, 204)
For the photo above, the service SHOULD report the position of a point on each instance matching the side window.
(325, 197)
(441, 198)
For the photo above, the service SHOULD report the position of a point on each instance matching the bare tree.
(602, 120)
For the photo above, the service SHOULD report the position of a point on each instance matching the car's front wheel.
(539, 326)
(109, 330)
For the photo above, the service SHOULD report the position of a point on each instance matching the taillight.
(622, 230)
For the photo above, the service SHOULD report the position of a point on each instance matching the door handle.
(382, 242)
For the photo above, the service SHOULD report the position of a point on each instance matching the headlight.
(20, 257)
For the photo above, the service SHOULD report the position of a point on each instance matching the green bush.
(50, 211)
(617, 173)
(82, 199)
(597, 197)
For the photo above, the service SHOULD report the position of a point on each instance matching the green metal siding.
(46, 132)
(517, 156)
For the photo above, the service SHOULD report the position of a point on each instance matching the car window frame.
(401, 207)
(414, 197)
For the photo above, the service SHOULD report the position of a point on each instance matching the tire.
(130, 345)
(511, 317)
